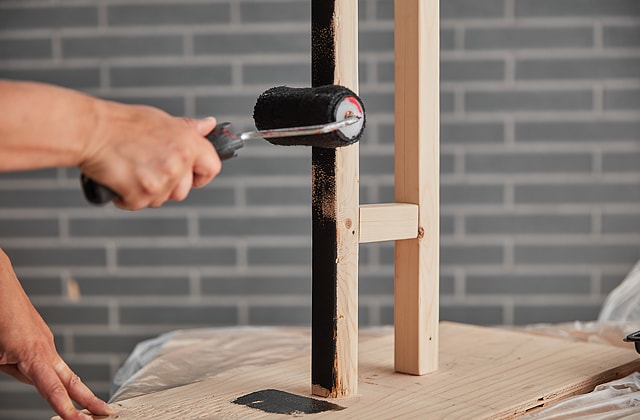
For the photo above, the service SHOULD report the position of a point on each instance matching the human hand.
(148, 157)
(28, 353)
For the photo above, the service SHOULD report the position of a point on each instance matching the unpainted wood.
(417, 165)
(485, 373)
(388, 222)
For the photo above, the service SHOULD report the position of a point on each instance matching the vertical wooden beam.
(417, 157)
(335, 207)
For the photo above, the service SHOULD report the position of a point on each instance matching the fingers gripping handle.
(224, 141)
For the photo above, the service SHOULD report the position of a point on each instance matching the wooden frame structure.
(340, 223)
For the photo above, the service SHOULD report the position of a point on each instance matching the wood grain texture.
(335, 212)
(417, 167)
(485, 373)
(388, 222)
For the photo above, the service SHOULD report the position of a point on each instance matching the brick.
(524, 38)
(447, 39)
(621, 36)
(48, 17)
(264, 166)
(29, 198)
(116, 343)
(462, 254)
(41, 286)
(471, 132)
(621, 223)
(575, 253)
(528, 162)
(29, 174)
(256, 226)
(447, 225)
(528, 284)
(128, 227)
(20, 399)
(229, 105)
(577, 131)
(447, 102)
(88, 371)
(377, 165)
(384, 9)
(122, 46)
(465, 9)
(530, 224)
(74, 314)
(279, 196)
(28, 228)
(211, 196)
(16, 49)
(610, 282)
(377, 102)
(622, 99)
(258, 285)
(621, 162)
(191, 315)
(375, 285)
(252, 43)
(76, 78)
(576, 8)
(372, 40)
(461, 70)
(577, 193)
(133, 286)
(277, 74)
(577, 68)
(524, 315)
(182, 75)
(447, 163)
(173, 105)
(463, 194)
(284, 315)
(176, 256)
(472, 314)
(168, 14)
(447, 284)
(529, 100)
(272, 11)
(57, 256)
(279, 255)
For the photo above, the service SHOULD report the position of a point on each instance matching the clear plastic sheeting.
(619, 399)
(187, 356)
(623, 303)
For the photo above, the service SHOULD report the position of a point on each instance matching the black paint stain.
(281, 402)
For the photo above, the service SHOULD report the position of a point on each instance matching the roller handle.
(224, 141)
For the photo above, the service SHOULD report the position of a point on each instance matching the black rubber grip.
(225, 142)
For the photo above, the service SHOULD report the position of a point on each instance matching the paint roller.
(328, 116)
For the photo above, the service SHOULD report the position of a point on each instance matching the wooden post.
(335, 212)
(417, 156)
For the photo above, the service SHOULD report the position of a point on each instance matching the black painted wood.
(324, 250)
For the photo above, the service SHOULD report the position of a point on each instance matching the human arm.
(143, 154)
(28, 353)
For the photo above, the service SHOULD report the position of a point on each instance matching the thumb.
(203, 126)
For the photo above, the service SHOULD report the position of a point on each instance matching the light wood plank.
(335, 212)
(485, 373)
(388, 222)
(417, 163)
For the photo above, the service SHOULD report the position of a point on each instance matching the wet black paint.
(281, 402)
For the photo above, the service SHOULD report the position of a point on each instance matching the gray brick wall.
(540, 182)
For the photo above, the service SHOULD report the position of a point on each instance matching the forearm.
(44, 126)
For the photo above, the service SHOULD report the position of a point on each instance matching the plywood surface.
(484, 373)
